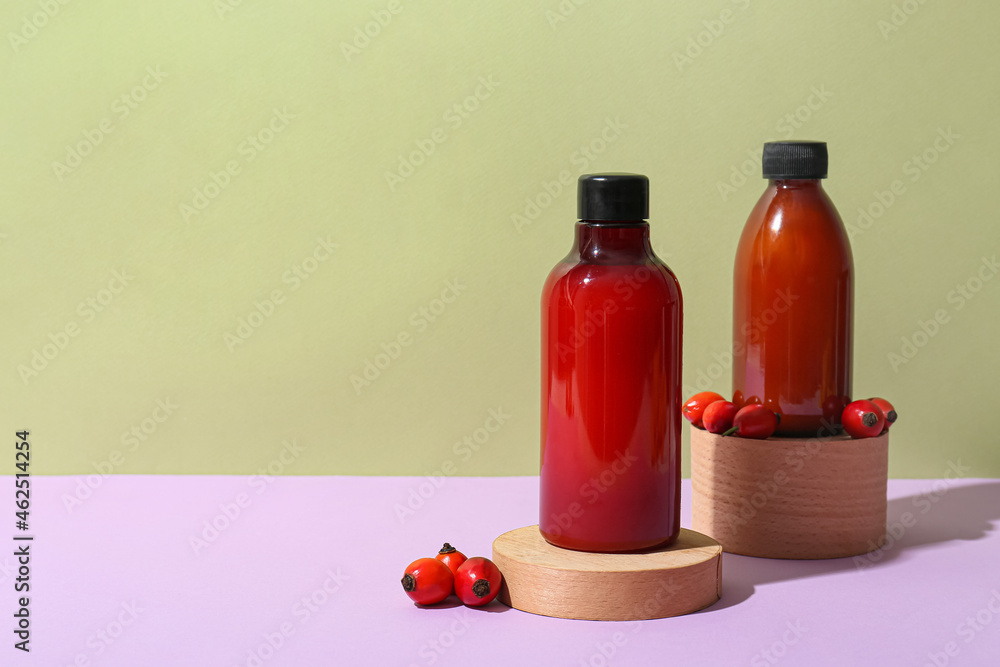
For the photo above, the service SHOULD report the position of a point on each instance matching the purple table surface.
(226, 571)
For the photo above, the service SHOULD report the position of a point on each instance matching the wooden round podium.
(547, 580)
(799, 498)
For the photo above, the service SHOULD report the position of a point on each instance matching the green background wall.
(206, 151)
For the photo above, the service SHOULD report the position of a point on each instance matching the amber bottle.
(793, 297)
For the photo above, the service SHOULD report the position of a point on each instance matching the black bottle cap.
(613, 197)
(795, 159)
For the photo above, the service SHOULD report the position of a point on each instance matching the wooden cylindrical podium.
(790, 498)
(543, 579)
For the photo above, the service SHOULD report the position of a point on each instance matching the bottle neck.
(624, 242)
(796, 183)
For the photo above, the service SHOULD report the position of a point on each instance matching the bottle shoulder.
(795, 223)
(570, 279)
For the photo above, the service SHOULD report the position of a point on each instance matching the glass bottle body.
(793, 309)
(611, 394)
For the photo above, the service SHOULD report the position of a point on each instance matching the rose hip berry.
(695, 407)
(863, 419)
(754, 421)
(718, 417)
(428, 581)
(477, 581)
(451, 557)
(887, 409)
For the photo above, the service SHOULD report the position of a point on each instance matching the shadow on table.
(494, 607)
(940, 514)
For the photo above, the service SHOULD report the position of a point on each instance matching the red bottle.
(793, 297)
(611, 380)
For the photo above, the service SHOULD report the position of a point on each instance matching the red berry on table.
(863, 419)
(477, 581)
(754, 421)
(695, 406)
(887, 409)
(718, 417)
(428, 581)
(451, 557)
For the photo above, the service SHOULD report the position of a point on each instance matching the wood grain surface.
(656, 583)
(790, 498)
